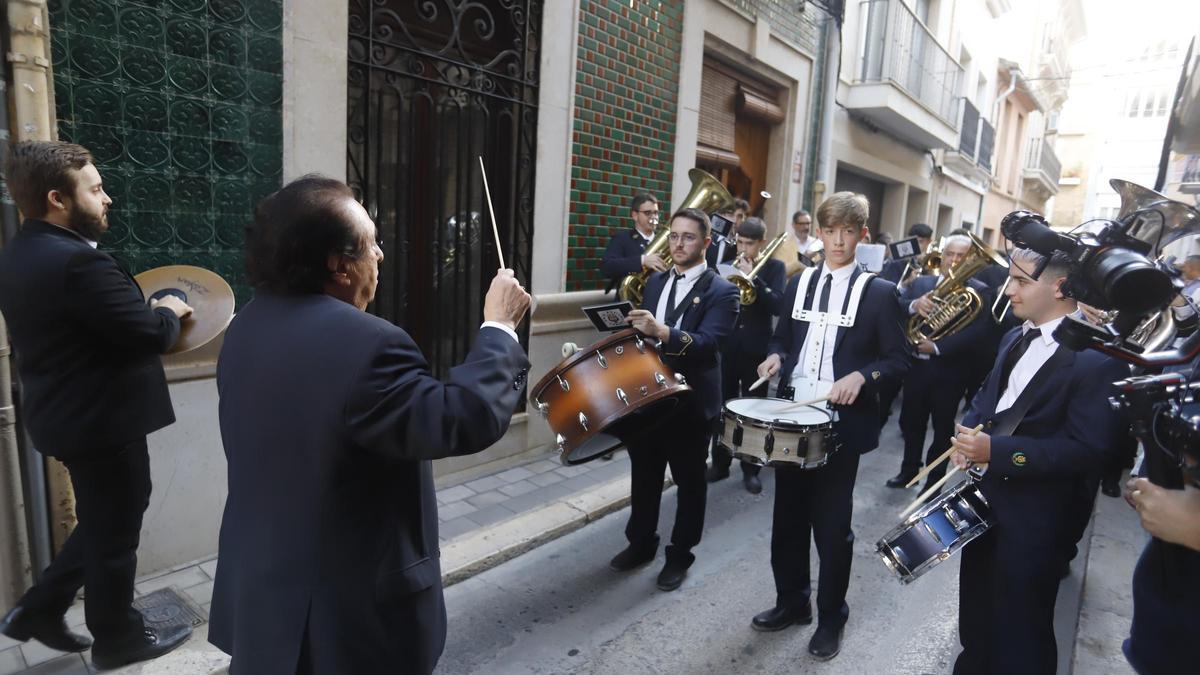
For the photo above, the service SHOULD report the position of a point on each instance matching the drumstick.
(917, 502)
(495, 231)
(758, 383)
(945, 455)
(801, 404)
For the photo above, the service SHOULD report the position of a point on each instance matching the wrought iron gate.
(434, 85)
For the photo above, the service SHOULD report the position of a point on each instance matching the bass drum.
(614, 387)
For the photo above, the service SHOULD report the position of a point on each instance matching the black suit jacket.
(694, 349)
(622, 257)
(87, 344)
(893, 269)
(710, 254)
(753, 329)
(329, 416)
(1037, 474)
(873, 346)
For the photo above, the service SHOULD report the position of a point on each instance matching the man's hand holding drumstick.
(843, 392)
(970, 447)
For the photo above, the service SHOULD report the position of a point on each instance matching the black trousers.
(930, 391)
(739, 370)
(1008, 583)
(112, 491)
(815, 504)
(681, 441)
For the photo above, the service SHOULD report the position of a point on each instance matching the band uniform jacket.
(87, 344)
(694, 349)
(622, 257)
(329, 417)
(1037, 473)
(873, 346)
(961, 351)
(753, 329)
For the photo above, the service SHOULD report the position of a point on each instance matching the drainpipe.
(833, 61)
(32, 103)
(1013, 74)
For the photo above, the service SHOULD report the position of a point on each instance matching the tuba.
(747, 294)
(957, 304)
(708, 195)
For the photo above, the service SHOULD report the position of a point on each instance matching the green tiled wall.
(180, 103)
(626, 94)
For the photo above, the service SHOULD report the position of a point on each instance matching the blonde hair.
(844, 208)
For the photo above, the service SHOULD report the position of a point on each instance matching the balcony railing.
(898, 48)
(975, 137)
(1043, 159)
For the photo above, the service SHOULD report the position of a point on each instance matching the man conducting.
(328, 560)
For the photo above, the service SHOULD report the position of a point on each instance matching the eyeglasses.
(687, 237)
(654, 213)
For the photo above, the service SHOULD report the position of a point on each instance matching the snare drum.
(935, 532)
(761, 433)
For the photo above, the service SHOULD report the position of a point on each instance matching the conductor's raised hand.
(506, 301)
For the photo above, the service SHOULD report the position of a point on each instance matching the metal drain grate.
(169, 607)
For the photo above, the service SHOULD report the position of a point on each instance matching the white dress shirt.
(840, 278)
(809, 245)
(682, 288)
(1040, 351)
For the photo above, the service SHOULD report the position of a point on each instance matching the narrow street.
(560, 609)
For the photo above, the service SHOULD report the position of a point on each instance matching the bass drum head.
(599, 444)
(768, 410)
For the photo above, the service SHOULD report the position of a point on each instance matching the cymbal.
(209, 296)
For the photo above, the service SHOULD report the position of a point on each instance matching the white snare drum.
(764, 431)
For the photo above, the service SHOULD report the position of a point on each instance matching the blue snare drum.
(935, 531)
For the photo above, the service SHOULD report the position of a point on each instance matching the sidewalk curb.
(482, 550)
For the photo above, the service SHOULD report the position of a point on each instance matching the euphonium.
(745, 282)
(956, 303)
(708, 195)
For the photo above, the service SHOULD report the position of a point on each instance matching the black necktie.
(1014, 355)
(675, 277)
(823, 304)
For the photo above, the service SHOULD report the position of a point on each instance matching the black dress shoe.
(778, 618)
(753, 484)
(21, 626)
(634, 556)
(1110, 488)
(672, 575)
(900, 480)
(716, 473)
(149, 644)
(825, 643)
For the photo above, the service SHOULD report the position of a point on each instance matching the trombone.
(744, 281)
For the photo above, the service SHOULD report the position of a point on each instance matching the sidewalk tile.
(484, 484)
(548, 478)
(454, 510)
(457, 527)
(70, 664)
(490, 515)
(36, 653)
(519, 488)
(514, 475)
(7, 642)
(581, 482)
(543, 465)
(456, 493)
(569, 471)
(201, 593)
(209, 568)
(11, 661)
(486, 499)
(184, 578)
(537, 499)
(75, 615)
